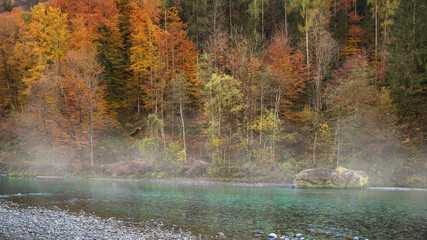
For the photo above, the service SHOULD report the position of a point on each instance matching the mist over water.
(236, 211)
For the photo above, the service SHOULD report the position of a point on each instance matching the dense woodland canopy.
(249, 89)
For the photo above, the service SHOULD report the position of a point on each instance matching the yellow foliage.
(181, 156)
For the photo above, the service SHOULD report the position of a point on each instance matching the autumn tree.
(290, 76)
(43, 46)
(355, 40)
(324, 51)
(11, 68)
(144, 53)
(87, 109)
(223, 102)
(46, 40)
(109, 19)
(351, 99)
(177, 55)
(180, 97)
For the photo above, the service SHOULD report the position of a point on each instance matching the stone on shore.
(331, 178)
(27, 222)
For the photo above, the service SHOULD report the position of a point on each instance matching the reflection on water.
(236, 211)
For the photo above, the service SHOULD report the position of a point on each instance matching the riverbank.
(28, 222)
(206, 182)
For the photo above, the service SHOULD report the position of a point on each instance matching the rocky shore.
(19, 222)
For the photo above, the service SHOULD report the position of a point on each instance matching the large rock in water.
(331, 178)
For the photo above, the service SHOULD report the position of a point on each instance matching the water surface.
(235, 210)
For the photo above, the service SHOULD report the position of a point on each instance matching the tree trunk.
(261, 116)
(219, 120)
(231, 29)
(256, 17)
(91, 131)
(286, 19)
(314, 147)
(183, 129)
(162, 88)
(338, 141)
(355, 8)
(262, 18)
(413, 25)
(306, 43)
(139, 97)
(8, 82)
(276, 110)
(163, 125)
(61, 88)
(197, 25)
(229, 149)
(346, 13)
(355, 126)
(376, 41)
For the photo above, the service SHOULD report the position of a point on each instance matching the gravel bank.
(18, 222)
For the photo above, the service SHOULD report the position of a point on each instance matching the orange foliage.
(11, 24)
(355, 36)
(94, 12)
(144, 58)
(288, 65)
(174, 47)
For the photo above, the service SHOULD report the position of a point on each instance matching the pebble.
(220, 234)
(21, 222)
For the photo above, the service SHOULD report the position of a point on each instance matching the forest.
(245, 90)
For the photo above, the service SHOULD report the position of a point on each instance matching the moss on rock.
(331, 178)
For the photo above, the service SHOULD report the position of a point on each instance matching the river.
(237, 211)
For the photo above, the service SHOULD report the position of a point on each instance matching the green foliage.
(148, 144)
(269, 124)
(173, 152)
(195, 13)
(154, 125)
(109, 43)
(206, 66)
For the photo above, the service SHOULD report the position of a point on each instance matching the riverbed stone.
(331, 178)
(272, 236)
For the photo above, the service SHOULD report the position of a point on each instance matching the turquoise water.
(235, 211)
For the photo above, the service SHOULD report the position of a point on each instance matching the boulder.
(331, 178)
